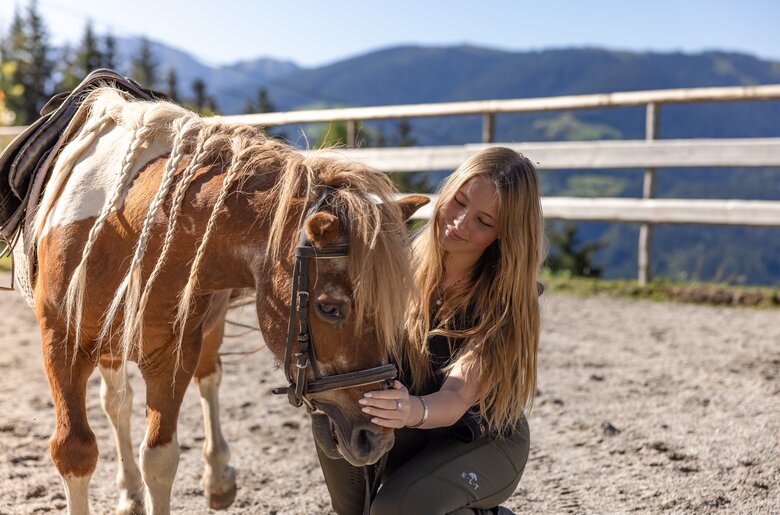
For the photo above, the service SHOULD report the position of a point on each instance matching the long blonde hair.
(500, 296)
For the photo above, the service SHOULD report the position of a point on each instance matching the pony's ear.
(322, 229)
(411, 203)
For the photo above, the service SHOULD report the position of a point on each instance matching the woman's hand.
(388, 408)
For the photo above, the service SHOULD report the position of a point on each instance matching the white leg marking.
(158, 467)
(219, 479)
(116, 396)
(77, 494)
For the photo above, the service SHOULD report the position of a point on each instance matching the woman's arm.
(394, 407)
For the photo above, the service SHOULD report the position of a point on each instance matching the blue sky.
(315, 32)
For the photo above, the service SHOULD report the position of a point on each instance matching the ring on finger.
(397, 404)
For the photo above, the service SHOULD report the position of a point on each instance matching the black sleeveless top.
(443, 350)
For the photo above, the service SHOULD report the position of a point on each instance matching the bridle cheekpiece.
(302, 346)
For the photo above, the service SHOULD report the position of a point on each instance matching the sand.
(642, 407)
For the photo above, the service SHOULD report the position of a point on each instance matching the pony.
(151, 217)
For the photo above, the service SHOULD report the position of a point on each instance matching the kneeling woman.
(469, 355)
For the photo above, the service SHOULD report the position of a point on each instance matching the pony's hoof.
(130, 505)
(222, 496)
(221, 501)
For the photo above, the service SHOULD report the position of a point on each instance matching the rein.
(301, 348)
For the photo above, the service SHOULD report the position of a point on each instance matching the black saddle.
(25, 163)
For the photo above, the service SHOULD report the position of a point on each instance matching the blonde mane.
(363, 201)
(375, 230)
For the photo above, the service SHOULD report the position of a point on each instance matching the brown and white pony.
(152, 215)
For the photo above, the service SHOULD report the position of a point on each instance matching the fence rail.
(758, 213)
(522, 105)
(616, 154)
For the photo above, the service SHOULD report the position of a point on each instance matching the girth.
(302, 347)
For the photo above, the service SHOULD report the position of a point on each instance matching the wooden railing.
(649, 154)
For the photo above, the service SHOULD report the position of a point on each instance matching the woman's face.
(468, 223)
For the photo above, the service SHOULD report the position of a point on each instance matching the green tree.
(202, 102)
(199, 90)
(8, 91)
(172, 84)
(39, 66)
(89, 57)
(70, 73)
(109, 51)
(381, 138)
(403, 133)
(144, 67)
(11, 60)
(408, 182)
(263, 104)
(27, 64)
(567, 256)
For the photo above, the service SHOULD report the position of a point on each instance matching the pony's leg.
(159, 450)
(73, 446)
(116, 396)
(219, 478)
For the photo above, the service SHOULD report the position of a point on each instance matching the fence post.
(488, 127)
(351, 133)
(648, 191)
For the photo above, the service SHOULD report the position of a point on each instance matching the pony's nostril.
(365, 441)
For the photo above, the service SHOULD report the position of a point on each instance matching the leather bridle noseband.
(305, 356)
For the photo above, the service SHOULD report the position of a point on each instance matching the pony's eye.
(331, 311)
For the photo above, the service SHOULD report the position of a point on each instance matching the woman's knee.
(424, 496)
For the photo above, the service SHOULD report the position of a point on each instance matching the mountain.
(232, 85)
(423, 74)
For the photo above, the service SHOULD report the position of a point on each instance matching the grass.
(664, 290)
(5, 264)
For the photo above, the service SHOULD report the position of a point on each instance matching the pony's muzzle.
(368, 443)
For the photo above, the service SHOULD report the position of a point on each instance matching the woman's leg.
(451, 476)
(346, 483)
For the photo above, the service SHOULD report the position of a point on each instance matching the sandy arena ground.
(642, 407)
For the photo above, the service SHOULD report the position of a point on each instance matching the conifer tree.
(109, 52)
(202, 101)
(199, 90)
(27, 64)
(172, 84)
(70, 74)
(89, 57)
(144, 65)
(410, 182)
(12, 60)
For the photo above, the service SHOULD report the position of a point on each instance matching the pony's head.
(356, 302)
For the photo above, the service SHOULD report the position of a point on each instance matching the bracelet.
(425, 413)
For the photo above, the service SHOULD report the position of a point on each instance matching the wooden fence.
(649, 154)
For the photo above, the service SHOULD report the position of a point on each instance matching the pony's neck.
(238, 254)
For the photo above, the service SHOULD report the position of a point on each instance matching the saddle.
(25, 163)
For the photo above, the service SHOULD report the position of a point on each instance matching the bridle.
(302, 346)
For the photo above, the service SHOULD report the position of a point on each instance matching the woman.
(469, 356)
